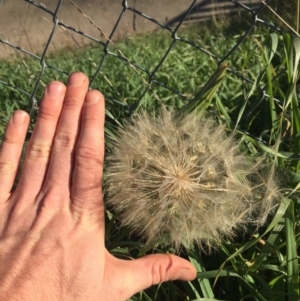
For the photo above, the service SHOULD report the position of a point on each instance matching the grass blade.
(205, 285)
(203, 99)
(291, 256)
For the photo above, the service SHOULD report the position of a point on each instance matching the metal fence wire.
(195, 10)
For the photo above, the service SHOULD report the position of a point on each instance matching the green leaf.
(276, 219)
(292, 256)
(205, 285)
(203, 99)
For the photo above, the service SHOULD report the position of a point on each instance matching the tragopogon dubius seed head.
(183, 181)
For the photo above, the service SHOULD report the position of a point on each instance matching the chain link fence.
(107, 48)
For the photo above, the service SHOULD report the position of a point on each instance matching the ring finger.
(39, 146)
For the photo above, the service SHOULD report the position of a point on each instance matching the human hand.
(52, 224)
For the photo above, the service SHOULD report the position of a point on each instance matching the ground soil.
(25, 25)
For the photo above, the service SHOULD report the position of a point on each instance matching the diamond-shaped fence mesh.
(149, 79)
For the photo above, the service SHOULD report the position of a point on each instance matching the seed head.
(183, 181)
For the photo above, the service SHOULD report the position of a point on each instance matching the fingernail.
(19, 117)
(76, 79)
(92, 97)
(56, 89)
(187, 274)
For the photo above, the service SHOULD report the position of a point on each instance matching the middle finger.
(60, 166)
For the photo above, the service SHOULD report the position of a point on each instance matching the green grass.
(259, 264)
(185, 69)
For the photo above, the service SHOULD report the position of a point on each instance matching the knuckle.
(71, 102)
(91, 155)
(64, 140)
(157, 273)
(46, 113)
(160, 270)
(9, 139)
(38, 151)
(92, 116)
(7, 167)
(51, 200)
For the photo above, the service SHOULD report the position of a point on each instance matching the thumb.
(157, 268)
